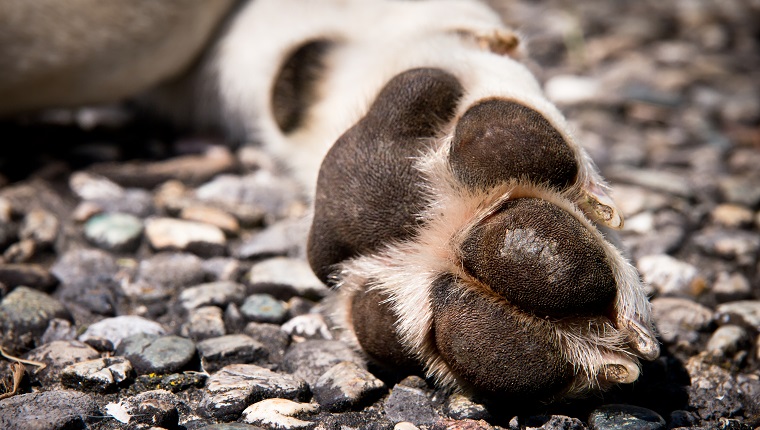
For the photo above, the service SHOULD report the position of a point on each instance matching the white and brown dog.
(463, 226)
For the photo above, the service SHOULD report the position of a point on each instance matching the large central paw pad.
(463, 238)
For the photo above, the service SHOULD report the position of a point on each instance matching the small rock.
(223, 269)
(219, 293)
(656, 180)
(283, 238)
(90, 278)
(25, 314)
(229, 426)
(727, 340)
(462, 407)
(94, 187)
(274, 339)
(116, 232)
(29, 275)
(744, 312)
(345, 386)
(236, 386)
(468, 424)
(119, 328)
(204, 323)
(49, 410)
(212, 216)
(58, 329)
(263, 308)
(568, 89)
(174, 382)
(150, 353)
(288, 271)
(742, 246)
(742, 191)
(173, 234)
(671, 277)
(732, 215)
(680, 320)
(220, 351)
(410, 404)
(308, 326)
(40, 226)
(731, 287)
(554, 422)
(57, 355)
(310, 359)
(100, 375)
(172, 270)
(155, 408)
(713, 392)
(280, 414)
(618, 417)
(405, 426)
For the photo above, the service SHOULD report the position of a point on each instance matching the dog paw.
(466, 237)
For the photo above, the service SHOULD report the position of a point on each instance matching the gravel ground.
(151, 278)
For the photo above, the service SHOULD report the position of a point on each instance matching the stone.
(29, 275)
(221, 351)
(283, 238)
(48, 410)
(223, 269)
(620, 417)
(119, 328)
(570, 89)
(459, 407)
(212, 216)
(679, 320)
(288, 271)
(732, 215)
(671, 277)
(310, 359)
(280, 414)
(150, 353)
(410, 404)
(272, 337)
(553, 422)
(731, 287)
(713, 393)
(466, 424)
(157, 408)
(204, 323)
(24, 316)
(727, 340)
(743, 312)
(263, 308)
(739, 245)
(165, 234)
(101, 375)
(174, 270)
(230, 390)
(58, 329)
(90, 278)
(40, 226)
(308, 326)
(56, 356)
(742, 191)
(346, 386)
(116, 232)
(219, 293)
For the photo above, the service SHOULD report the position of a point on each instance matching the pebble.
(223, 268)
(108, 196)
(57, 355)
(220, 351)
(158, 408)
(272, 337)
(30, 275)
(742, 246)
(236, 386)
(24, 316)
(88, 277)
(680, 320)
(264, 308)
(229, 426)
(732, 215)
(570, 89)
(172, 270)
(713, 392)
(150, 353)
(288, 271)
(623, 417)
(279, 414)
(165, 234)
(671, 277)
(656, 180)
(212, 216)
(310, 359)
(308, 326)
(411, 405)
(49, 410)
(39, 226)
(283, 238)
(727, 340)
(553, 422)
(459, 406)
(58, 329)
(467, 424)
(115, 232)
(219, 293)
(742, 191)
(743, 312)
(116, 329)
(731, 287)
(100, 375)
(204, 323)
(346, 386)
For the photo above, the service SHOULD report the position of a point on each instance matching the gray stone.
(553, 422)
(119, 328)
(308, 326)
(204, 323)
(288, 271)
(39, 226)
(166, 234)
(24, 316)
(211, 216)
(157, 408)
(742, 246)
(280, 414)
(410, 404)
(218, 293)
(679, 321)
(731, 287)
(48, 410)
(740, 190)
(174, 270)
(236, 386)
(150, 353)
(713, 393)
(310, 359)
(89, 277)
(223, 269)
(461, 407)
(620, 417)
(100, 375)
(263, 308)
(743, 312)
(230, 426)
(346, 386)
(57, 355)
(28, 275)
(283, 238)
(272, 337)
(727, 340)
(671, 277)
(117, 232)
(58, 329)
(220, 351)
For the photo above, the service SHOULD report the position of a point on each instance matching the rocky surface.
(151, 279)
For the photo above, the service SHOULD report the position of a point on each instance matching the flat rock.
(727, 340)
(88, 277)
(346, 386)
(411, 405)
(280, 414)
(173, 234)
(230, 390)
(283, 238)
(48, 410)
(213, 216)
(624, 417)
(221, 351)
(116, 232)
(150, 353)
(219, 293)
(29, 275)
(272, 337)
(40, 226)
(288, 271)
(263, 308)
(173, 270)
(671, 277)
(25, 314)
(310, 359)
(119, 328)
(461, 407)
(308, 326)
(101, 375)
(57, 355)
(743, 312)
(204, 323)
(680, 320)
(157, 408)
